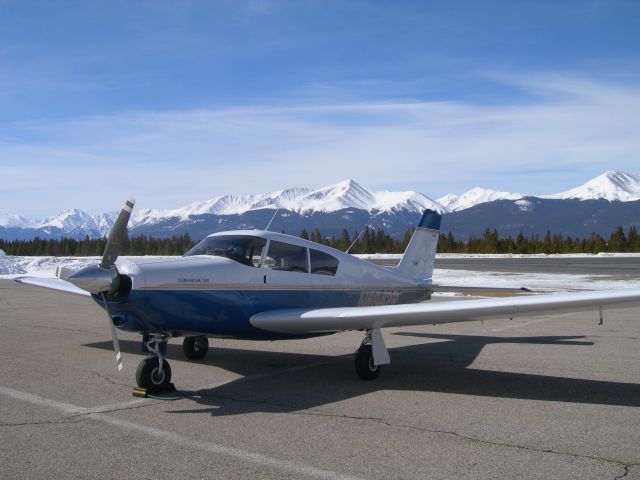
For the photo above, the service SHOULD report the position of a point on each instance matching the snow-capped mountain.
(612, 185)
(104, 222)
(73, 223)
(68, 221)
(9, 220)
(473, 197)
(346, 194)
(304, 202)
(348, 204)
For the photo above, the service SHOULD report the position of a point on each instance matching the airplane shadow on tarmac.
(444, 366)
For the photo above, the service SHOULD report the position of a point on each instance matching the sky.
(179, 101)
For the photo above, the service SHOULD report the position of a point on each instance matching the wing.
(53, 283)
(300, 321)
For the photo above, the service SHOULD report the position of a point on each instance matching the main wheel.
(365, 367)
(149, 376)
(195, 348)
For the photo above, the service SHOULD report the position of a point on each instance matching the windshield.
(241, 248)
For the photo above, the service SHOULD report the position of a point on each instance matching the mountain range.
(599, 205)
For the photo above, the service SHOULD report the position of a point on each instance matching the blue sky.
(178, 101)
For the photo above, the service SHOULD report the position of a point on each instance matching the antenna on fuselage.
(366, 227)
(269, 224)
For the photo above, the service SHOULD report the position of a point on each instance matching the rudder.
(419, 257)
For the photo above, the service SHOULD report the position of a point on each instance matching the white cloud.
(570, 126)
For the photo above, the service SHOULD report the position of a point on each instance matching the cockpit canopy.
(245, 249)
(248, 250)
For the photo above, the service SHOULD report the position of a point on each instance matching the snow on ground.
(539, 282)
(12, 267)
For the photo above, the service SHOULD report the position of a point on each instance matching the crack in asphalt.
(626, 470)
(104, 377)
(81, 415)
(58, 329)
(44, 422)
(311, 412)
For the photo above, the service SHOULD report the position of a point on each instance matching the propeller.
(103, 279)
(117, 235)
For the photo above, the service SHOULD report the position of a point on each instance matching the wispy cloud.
(568, 125)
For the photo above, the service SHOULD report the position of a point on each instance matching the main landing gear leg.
(370, 355)
(154, 372)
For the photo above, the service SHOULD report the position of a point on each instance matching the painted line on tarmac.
(217, 449)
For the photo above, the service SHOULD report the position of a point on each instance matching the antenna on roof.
(357, 238)
(269, 224)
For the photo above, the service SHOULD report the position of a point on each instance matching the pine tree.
(618, 241)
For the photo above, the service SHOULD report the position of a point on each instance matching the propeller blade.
(116, 345)
(114, 335)
(117, 235)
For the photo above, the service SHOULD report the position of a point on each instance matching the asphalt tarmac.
(546, 397)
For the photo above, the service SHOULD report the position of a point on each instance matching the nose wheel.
(154, 372)
(153, 376)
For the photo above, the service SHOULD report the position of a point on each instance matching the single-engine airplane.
(255, 284)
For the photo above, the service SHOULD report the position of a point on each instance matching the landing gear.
(365, 366)
(154, 372)
(195, 348)
(150, 376)
(370, 355)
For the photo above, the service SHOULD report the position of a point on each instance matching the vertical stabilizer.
(419, 257)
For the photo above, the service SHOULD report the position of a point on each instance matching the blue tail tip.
(430, 219)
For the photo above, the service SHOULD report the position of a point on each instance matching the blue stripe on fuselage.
(225, 312)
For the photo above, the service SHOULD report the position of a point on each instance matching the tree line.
(367, 241)
(89, 247)
(376, 241)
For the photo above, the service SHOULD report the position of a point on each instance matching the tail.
(419, 257)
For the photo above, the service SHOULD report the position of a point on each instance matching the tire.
(365, 368)
(195, 348)
(147, 375)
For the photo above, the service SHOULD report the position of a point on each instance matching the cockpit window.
(241, 248)
(323, 263)
(287, 257)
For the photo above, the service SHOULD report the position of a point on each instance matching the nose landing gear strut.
(154, 372)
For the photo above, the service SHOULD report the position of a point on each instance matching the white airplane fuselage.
(216, 295)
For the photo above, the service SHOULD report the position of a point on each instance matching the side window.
(254, 251)
(323, 263)
(286, 257)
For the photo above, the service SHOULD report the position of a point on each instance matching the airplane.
(263, 285)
